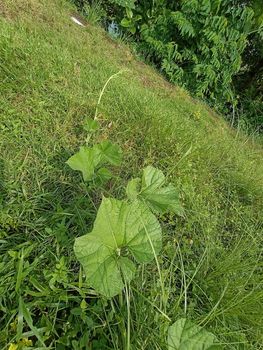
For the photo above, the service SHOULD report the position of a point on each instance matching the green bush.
(199, 44)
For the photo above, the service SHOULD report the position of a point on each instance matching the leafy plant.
(130, 21)
(199, 44)
(212, 48)
(120, 229)
(123, 230)
(151, 190)
(91, 159)
(186, 335)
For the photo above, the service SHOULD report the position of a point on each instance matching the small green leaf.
(132, 29)
(110, 152)
(126, 23)
(120, 228)
(85, 161)
(88, 159)
(129, 12)
(152, 178)
(104, 175)
(185, 335)
(91, 125)
(83, 304)
(154, 193)
(137, 18)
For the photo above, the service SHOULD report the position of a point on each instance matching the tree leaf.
(85, 160)
(154, 193)
(185, 335)
(119, 228)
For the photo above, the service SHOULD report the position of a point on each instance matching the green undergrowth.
(51, 75)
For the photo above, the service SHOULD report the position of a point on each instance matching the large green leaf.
(120, 228)
(185, 335)
(153, 191)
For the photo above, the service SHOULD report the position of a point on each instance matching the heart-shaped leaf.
(154, 193)
(185, 335)
(120, 228)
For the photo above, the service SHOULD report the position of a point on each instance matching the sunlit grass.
(52, 72)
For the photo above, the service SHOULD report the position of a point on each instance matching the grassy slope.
(51, 72)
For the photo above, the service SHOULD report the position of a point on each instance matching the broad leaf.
(185, 335)
(86, 160)
(119, 228)
(159, 198)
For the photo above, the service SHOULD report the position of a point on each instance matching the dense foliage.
(201, 45)
(249, 82)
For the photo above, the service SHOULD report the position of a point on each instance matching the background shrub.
(212, 48)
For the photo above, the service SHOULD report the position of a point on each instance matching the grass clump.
(210, 267)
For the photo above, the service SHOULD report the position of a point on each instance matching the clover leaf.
(120, 229)
(89, 159)
(152, 190)
(185, 335)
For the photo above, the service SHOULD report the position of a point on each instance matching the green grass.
(51, 75)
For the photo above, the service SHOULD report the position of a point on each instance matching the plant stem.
(163, 299)
(103, 89)
(122, 323)
(128, 335)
